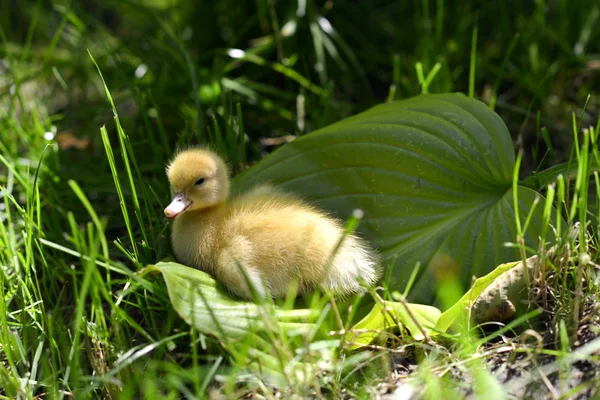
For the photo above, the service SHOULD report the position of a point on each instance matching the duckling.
(266, 238)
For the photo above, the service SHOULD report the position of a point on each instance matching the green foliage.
(206, 305)
(433, 175)
(271, 340)
(460, 310)
(417, 319)
(81, 209)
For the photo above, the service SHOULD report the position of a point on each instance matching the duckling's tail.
(354, 267)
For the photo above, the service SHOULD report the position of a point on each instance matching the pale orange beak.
(178, 205)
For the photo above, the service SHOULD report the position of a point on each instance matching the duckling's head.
(199, 179)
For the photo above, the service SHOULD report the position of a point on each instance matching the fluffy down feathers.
(265, 237)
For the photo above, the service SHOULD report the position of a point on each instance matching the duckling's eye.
(200, 182)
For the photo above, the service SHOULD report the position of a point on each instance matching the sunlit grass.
(79, 316)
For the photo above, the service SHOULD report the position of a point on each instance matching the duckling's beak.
(178, 205)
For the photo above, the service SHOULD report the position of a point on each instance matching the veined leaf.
(202, 303)
(461, 307)
(433, 175)
(501, 288)
(390, 314)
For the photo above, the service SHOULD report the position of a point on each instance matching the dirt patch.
(527, 365)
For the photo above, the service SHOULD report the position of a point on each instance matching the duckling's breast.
(194, 238)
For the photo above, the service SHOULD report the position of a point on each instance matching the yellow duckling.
(264, 237)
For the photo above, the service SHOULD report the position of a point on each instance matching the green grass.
(78, 318)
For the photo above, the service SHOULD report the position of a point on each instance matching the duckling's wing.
(261, 192)
(265, 198)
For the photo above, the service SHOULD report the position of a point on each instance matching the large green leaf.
(240, 325)
(433, 175)
(203, 303)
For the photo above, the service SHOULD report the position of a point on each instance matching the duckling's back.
(279, 239)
